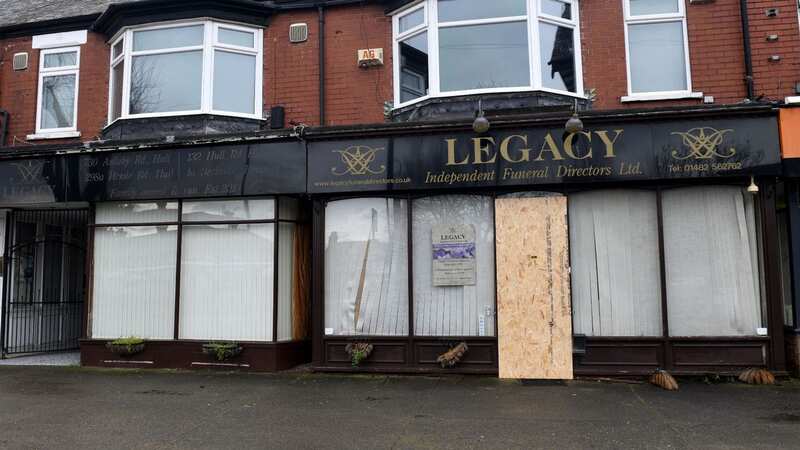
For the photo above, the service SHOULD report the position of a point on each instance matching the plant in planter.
(358, 351)
(128, 346)
(222, 351)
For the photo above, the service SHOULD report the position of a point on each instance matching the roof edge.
(49, 26)
(120, 15)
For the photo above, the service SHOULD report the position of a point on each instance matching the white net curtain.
(615, 263)
(227, 271)
(366, 267)
(711, 254)
(712, 262)
(454, 310)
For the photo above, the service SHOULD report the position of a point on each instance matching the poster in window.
(453, 255)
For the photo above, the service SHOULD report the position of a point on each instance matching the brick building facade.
(183, 106)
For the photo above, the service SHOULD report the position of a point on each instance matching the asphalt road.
(73, 408)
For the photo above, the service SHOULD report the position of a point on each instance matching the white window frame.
(679, 16)
(431, 24)
(62, 132)
(208, 47)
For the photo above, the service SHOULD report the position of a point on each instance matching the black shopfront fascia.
(653, 154)
(412, 160)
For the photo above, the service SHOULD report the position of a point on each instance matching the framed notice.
(453, 255)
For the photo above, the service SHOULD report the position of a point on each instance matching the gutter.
(748, 56)
(3, 126)
(321, 65)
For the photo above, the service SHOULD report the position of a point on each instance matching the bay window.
(186, 68)
(57, 110)
(657, 50)
(211, 262)
(457, 47)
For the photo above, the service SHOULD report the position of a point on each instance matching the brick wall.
(715, 51)
(291, 70)
(775, 80)
(18, 90)
(355, 95)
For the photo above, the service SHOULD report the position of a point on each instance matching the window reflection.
(414, 67)
(558, 57)
(484, 56)
(453, 10)
(166, 82)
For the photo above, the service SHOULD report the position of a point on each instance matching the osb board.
(533, 298)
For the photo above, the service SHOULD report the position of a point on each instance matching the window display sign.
(453, 255)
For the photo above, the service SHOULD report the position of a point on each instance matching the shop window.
(711, 262)
(186, 68)
(132, 295)
(225, 266)
(614, 254)
(712, 265)
(57, 109)
(227, 271)
(462, 309)
(457, 47)
(367, 266)
(657, 50)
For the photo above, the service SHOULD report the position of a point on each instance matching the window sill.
(661, 96)
(54, 135)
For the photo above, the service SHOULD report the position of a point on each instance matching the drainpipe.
(321, 40)
(3, 126)
(748, 57)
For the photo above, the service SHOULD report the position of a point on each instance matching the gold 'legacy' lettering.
(516, 148)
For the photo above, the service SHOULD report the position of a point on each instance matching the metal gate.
(43, 283)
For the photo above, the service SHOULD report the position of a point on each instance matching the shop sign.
(32, 181)
(218, 171)
(196, 172)
(453, 255)
(668, 149)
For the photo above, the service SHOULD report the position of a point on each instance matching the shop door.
(44, 287)
(534, 322)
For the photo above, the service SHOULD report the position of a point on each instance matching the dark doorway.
(43, 286)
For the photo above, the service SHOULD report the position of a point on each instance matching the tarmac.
(78, 408)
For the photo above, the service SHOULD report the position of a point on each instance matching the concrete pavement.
(74, 408)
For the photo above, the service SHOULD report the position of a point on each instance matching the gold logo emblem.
(30, 171)
(358, 160)
(703, 143)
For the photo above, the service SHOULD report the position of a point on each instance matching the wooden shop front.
(645, 241)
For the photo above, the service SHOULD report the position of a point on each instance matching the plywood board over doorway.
(533, 298)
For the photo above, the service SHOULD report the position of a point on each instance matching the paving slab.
(66, 408)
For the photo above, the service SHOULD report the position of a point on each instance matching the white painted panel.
(227, 282)
(65, 39)
(134, 282)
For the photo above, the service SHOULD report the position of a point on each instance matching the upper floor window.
(186, 68)
(657, 49)
(57, 107)
(456, 47)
